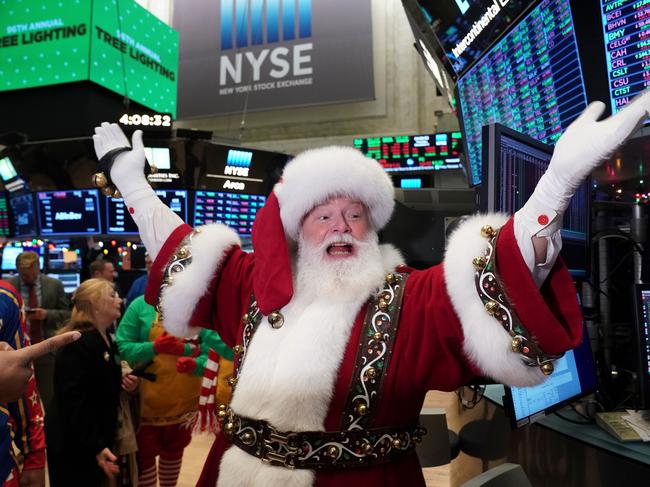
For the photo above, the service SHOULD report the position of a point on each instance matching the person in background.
(82, 425)
(21, 421)
(103, 269)
(170, 402)
(140, 284)
(47, 307)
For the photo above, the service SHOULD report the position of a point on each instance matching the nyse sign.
(265, 54)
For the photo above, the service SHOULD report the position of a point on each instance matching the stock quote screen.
(530, 81)
(4, 216)
(627, 44)
(233, 209)
(405, 153)
(68, 212)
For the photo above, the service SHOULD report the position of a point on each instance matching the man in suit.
(47, 308)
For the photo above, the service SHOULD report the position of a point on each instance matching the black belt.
(320, 449)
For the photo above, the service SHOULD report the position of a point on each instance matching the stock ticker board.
(626, 30)
(406, 153)
(530, 81)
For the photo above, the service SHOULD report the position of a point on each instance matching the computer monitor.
(414, 153)
(70, 280)
(7, 169)
(175, 199)
(60, 257)
(530, 80)
(23, 215)
(513, 163)
(71, 212)
(233, 209)
(10, 252)
(574, 377)
(642, 321)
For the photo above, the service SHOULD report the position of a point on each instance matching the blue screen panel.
(530, 81)
(233, 209)
(627, 46)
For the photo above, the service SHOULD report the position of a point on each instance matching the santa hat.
(310, 179)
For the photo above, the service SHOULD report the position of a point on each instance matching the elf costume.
(170, 402)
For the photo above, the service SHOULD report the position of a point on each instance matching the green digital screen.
(134, 53)
(43, 42)
(117, 44)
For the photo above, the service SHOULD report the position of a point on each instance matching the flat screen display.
(10, 252)
(71, 212)
(119, 220)
(513, 164)
(7, 169)
(466, 29)
(531, 81)
(233, 209)
(23, 215)
(573, 377)
(410, 153)
(642, 304)
(627, 47)
(70, 280)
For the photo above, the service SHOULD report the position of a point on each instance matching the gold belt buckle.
(279, 449)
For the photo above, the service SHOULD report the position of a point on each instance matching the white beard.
(340, 279)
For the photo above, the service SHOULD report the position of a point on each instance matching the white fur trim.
(390, 257)
(486, 343)
(209, 247)
(315, 175)
(313, 339)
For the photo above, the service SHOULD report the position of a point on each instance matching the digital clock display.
(145, 120)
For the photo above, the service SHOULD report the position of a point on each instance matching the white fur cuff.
(486, 343)
(178, 300)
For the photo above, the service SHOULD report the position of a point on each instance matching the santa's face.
(339, 221)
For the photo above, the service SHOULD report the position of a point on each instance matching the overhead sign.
(266, 54)
(135, 54)
(118, 45)
(43, 43)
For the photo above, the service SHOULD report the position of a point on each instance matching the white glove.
(127, 171)
(585, 144)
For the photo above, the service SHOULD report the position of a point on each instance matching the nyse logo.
(463, 5)
(247, 24)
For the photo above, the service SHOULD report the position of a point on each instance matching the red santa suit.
(297, 377)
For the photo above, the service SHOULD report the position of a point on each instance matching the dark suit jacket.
(83, 417)
(53, 299)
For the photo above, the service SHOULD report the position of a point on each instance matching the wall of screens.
(535, 82)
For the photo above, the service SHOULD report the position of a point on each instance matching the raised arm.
(585, 144)
(155, 221)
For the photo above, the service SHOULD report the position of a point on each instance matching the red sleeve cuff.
(157, 272)
(552, 315)
(35, 460)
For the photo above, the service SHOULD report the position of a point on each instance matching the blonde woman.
(87, 384)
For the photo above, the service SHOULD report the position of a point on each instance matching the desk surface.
(587, 433)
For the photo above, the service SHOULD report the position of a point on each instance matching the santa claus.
(336, 342)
